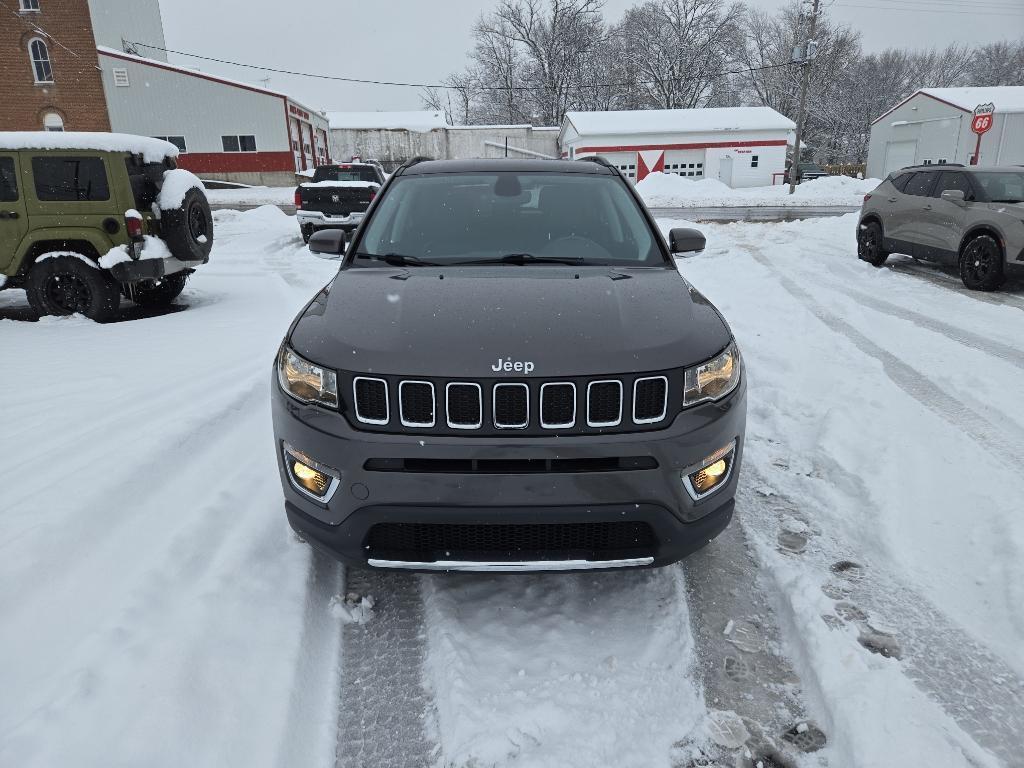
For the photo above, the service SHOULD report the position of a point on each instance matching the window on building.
(53, 122)
(70, 178)
(40, 56)
(246, 143)
(753, 161)
(29, 5)
(178, 141)
(8, 180)
(121, 79)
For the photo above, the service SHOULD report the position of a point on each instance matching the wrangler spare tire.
(188, 229)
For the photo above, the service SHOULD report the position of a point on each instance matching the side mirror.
(684, 240)
(955, 196)
(328, 243)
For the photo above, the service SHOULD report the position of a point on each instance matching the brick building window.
(53, 122)
(40, 56)
(30, 5)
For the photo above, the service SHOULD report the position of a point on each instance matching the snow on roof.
(418, 121)
(1007, 98)
(679, 120)
(152, 150)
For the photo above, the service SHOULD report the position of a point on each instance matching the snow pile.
(152, 150)
(252, 196)
(177, 183)
(152, 248)
(66, 254)
(660, 190)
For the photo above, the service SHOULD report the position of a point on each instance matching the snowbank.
(153, 248)
(252, 196)
(177, 183)
(152, 150)
(660, 190)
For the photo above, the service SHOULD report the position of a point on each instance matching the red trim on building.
(919, 93)
(236, 162)
(701, 145)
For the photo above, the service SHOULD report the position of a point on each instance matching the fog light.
(712, 473)
(310, 477)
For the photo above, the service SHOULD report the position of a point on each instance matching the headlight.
(714, 379)
(305, 381)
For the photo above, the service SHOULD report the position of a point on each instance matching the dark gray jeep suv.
(508, 373)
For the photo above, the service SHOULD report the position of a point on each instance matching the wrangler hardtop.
(86, 218)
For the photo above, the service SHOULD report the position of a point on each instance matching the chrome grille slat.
(457, 404)
(508, 412)
(366, 394)
(645, 399)
(547, 407)
(413, 404)
(600, 400)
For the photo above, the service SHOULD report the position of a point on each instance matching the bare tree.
(999, 63)
(680, 49)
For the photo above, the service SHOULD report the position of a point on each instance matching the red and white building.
(739, 146)
(226, 129)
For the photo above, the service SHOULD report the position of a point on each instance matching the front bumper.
(319, 220)
(655, 497)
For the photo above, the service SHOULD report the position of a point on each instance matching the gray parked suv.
(509, 374)
(972, 218)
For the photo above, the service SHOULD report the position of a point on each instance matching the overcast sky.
(417, 40)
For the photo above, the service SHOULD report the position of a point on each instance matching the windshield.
(447, 219)
(345, 173)
(1002, 186)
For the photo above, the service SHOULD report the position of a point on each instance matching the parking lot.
(154, 595)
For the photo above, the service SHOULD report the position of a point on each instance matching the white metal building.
(740, 146)
(225, 129)
(395, 137)
(934, 126)
(116, 23)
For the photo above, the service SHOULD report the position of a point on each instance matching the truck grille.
(426, 541)
(520, 407)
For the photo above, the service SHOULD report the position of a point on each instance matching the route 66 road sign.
(982, 121)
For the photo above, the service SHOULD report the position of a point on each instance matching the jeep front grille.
(525, 407)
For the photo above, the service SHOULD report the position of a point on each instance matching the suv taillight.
(133, 226)
(298, 200)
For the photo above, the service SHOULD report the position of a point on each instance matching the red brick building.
(49, 69)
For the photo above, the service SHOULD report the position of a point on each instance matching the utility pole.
(809, 49)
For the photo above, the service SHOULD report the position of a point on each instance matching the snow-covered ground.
(660, 190)
(157, 610)
(248, 196)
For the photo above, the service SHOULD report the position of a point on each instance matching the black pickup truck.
(337, 197)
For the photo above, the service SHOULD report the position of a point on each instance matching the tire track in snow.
(919, 387)
(738, 643)
(971, 684)
(936, 275)
(383, 706)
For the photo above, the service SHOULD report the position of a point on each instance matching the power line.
(363, 81)
(37, 28)
(928, 9)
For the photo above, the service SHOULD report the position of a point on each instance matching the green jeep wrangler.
(88, 217)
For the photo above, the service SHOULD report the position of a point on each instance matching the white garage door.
(899, 154)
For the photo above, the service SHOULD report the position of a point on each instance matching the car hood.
(454, 323)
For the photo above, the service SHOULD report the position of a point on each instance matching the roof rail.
(596, 159)
(410, 163)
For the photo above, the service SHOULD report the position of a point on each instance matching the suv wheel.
(981, 264)
(869, 244)
(66, 285)
(157, 293)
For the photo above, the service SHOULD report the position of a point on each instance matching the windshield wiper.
(398, 260)
(520, 259)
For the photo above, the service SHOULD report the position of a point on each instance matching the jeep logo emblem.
(335, 198)
(507, 365)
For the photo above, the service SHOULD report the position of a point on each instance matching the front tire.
(869, 244)
(981, 264)
(158, 293)
(67, 285)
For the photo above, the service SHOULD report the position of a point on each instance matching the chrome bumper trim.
(511, 567)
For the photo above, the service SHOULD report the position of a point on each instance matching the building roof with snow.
(668, 121)
(422, 121)
(1008, 98)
